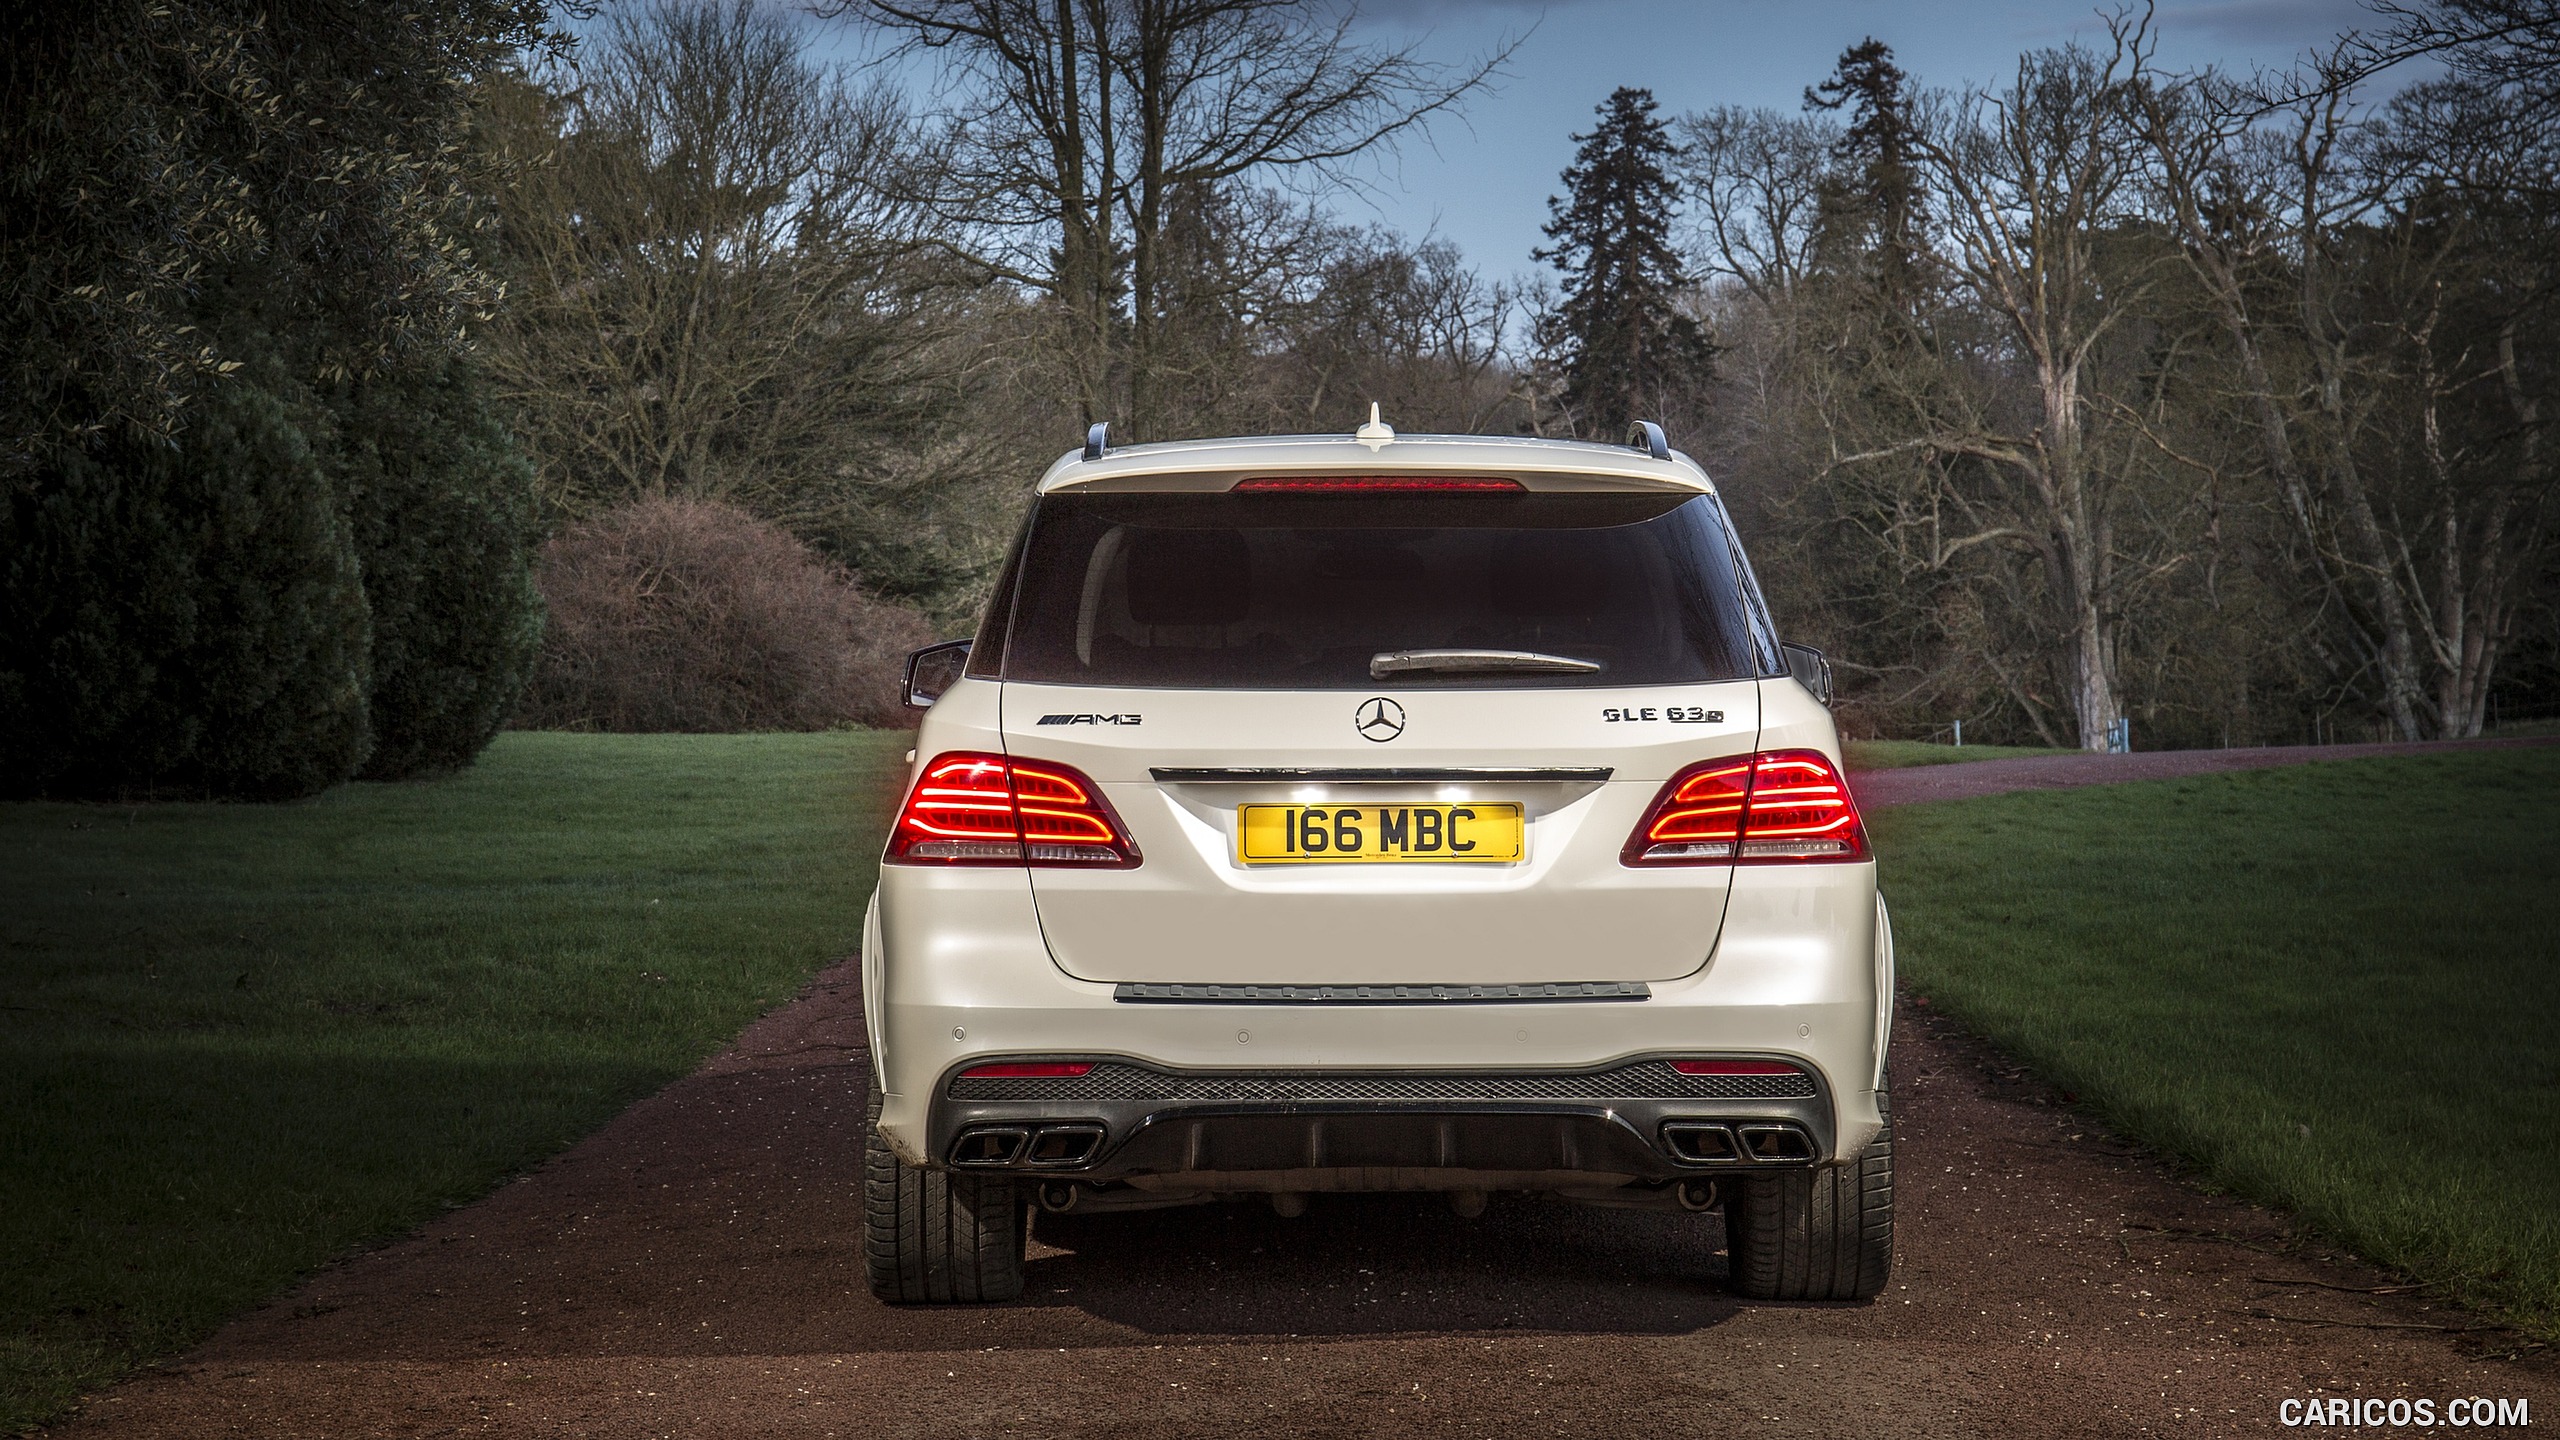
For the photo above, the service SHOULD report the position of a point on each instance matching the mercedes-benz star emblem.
(1380, 719)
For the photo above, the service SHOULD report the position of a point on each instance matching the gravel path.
(693, 1269)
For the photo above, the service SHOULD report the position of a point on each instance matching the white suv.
(1428, 813)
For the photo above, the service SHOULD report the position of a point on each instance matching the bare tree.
(2228, 400)
(2456, 281)
(2040, 185)
(1078, 125)
(1410, 327)
(714, 295)
(1755, 181)
(2510, 48)
(2372, 275)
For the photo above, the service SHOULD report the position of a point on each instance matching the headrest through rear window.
(1189, 577)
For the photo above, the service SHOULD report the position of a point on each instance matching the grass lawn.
(236, 1041)
(2335, 987)
(1895, 754)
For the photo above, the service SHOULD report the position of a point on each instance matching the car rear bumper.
(955, 973)
(1636, 1121)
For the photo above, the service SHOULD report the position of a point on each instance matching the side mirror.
(1811, 668)
(934, 669)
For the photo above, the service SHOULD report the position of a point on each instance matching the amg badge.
(1092, 720)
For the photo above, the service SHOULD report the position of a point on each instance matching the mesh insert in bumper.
(1644, 1080)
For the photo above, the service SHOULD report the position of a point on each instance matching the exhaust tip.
(1777, 1144)
(1706, 1142)
(1063, 1144)
(989, 1145)
(1700, 1143)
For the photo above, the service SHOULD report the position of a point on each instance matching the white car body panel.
(1218, 464)
(1806, 991)
(1195, 912)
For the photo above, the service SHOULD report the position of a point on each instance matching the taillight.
(974, 809)
(1697, 817)
(1800, 810)
(1774, 808)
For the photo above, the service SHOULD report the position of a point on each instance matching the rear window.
(1261, 591)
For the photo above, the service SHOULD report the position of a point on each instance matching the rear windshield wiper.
(1475, 662)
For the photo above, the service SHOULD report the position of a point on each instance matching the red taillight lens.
(1030, 1070)
(1697, 817)
(960, 813)
(1726, 1067)
(1774, 808)
(974, 809)
(1800, 810)
(1377, 485)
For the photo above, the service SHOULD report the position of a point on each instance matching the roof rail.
(1097, 440)
(1646, 437)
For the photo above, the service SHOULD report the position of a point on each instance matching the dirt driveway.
(693, 1269)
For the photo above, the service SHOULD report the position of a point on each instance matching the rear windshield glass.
(1226, 591)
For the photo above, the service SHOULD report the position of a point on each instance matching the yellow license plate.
(1375, 834)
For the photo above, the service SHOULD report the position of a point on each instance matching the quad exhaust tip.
(990, 1145)
(1707, 1142)
(1778, 1144)
(1062, 1144)
(1046, 1147)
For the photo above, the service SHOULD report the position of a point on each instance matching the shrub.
(442, 502)
(187, 619)
(673, 614)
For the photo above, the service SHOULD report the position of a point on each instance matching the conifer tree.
(1875, 206)
(1619, 339)
(441, 505)
(257, 521)
(185, 620)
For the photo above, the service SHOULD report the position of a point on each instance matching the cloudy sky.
(1484, 181)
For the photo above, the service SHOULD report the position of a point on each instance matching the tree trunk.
(2094, 703)
(1154, 54)
(2082, 593)
(2365, 573)
(2372, 557)
(1083, 258)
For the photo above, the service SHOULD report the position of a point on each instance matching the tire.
(930, 1237)
(1823, 1234)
